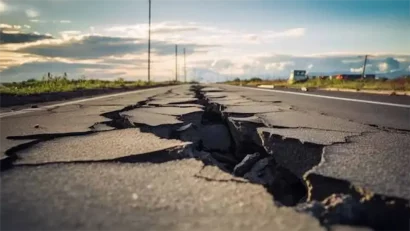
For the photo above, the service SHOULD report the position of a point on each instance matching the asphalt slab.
(169, 159)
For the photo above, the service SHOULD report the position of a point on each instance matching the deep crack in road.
(299, 157)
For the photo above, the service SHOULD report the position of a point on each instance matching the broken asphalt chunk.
(246, 164)
(375, 161)
(173, 111)
(254, 109)
(297, 119)
(172, 100)
(138, 116)
(107, 145)
(306, 135)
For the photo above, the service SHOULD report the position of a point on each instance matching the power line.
(149, 41)
(364, 66)
(176, 62)
(184, 65)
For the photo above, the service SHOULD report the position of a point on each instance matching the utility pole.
(184, 65)
(149, 42)
(176, 63)
(364, 66)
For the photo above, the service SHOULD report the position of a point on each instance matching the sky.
(224, 39)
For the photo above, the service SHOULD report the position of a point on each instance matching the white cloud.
(6, 26)
(3, 6)
(389, 65)
(279, 66)
(252, 37)
(69, 34)
(183, 32)
(9, 59)
(356, 70)
(10, 32)
(27, 26)
(383, 67)
(161, 31)
(10, 29)
(32, 13)
(369, 67)
(266, 36)
(295, 32)
(310, 66)
(354, 55)
(221, 64)
(401, 59)
(37, 21)
(61, 21)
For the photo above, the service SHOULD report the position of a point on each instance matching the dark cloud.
(87, 48)
(19, 37)
(102, 46)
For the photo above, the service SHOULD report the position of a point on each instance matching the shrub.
(50, 83)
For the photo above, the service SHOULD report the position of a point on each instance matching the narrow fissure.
(277, 163)
(120, 122)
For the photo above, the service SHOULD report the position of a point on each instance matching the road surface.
(211, 157)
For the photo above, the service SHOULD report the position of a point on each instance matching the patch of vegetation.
(63, 84)
(398, 84)
(257, 81)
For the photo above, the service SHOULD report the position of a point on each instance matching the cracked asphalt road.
(161, 160)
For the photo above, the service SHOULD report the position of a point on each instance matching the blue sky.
(224, 39)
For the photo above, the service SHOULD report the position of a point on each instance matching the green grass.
(399, 84)
(63, 84)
